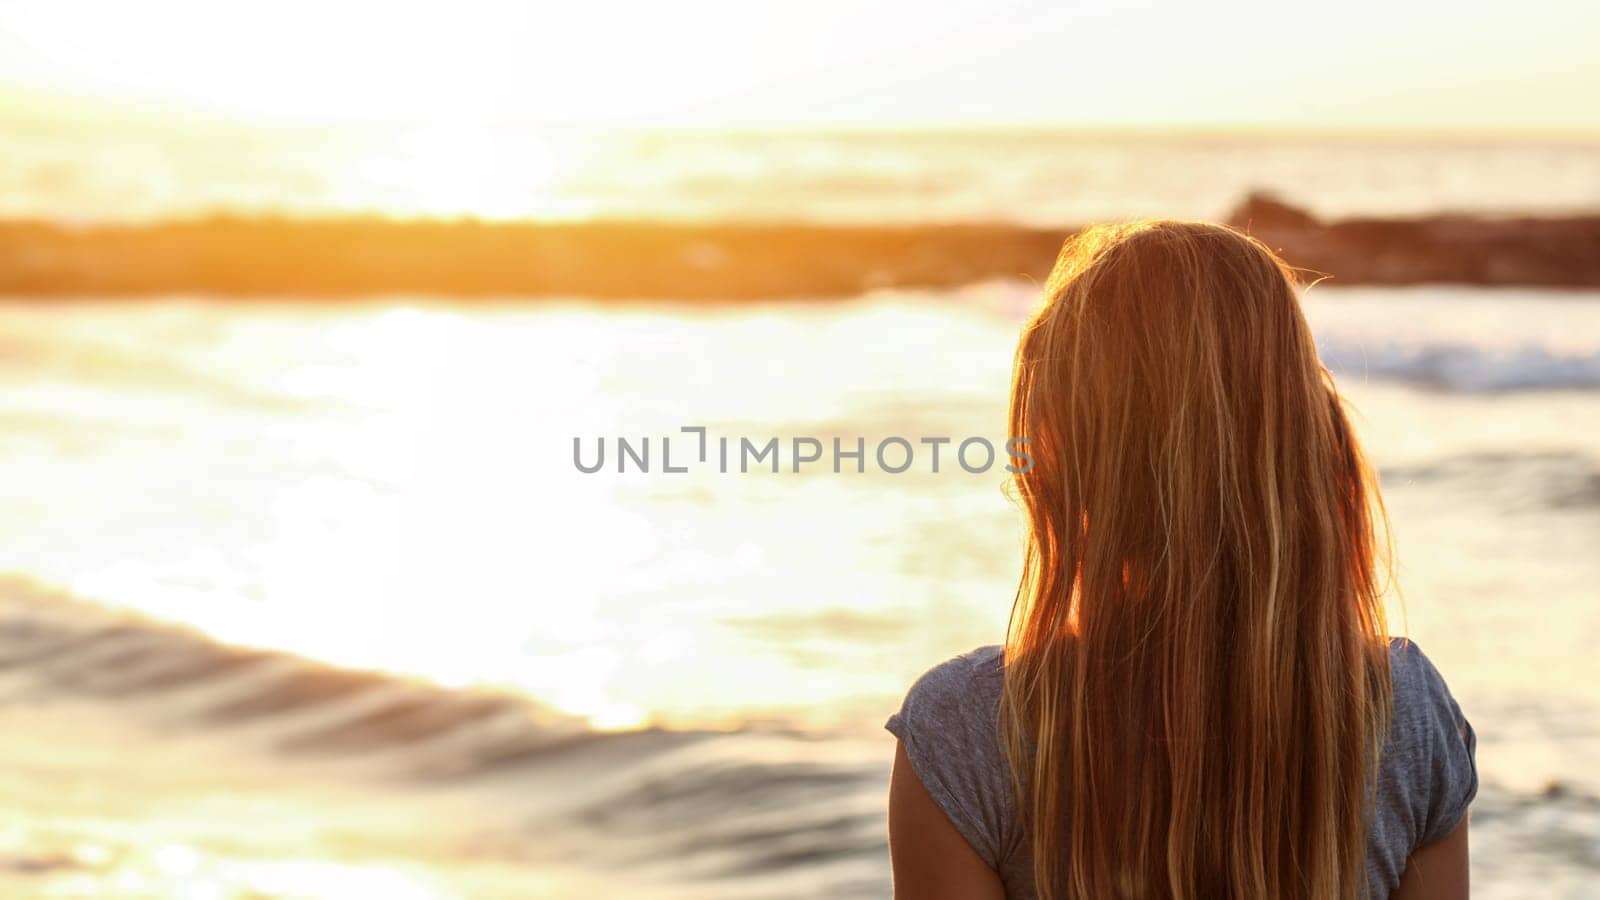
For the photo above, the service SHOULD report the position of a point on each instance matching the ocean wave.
(56, 644)
(722, 809)
(1464, 367)
(1533, 482)
(719, 814)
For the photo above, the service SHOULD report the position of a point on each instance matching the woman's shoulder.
(949, 725)
(1408, 664)
(1428, 773)
(974, 678)
(1423, 703)
(955, 706)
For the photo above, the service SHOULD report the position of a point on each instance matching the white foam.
(1460, 366)
(1460, 338)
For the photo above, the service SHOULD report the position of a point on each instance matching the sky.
(1420, 66)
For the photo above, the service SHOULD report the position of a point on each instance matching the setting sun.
(468, 171)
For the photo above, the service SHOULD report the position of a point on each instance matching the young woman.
(1198, 697)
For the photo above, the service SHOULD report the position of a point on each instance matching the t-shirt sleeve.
(949, 726)
(1445, 739)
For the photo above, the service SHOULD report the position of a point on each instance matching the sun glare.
(464, 172)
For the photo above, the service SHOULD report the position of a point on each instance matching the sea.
(313, 599)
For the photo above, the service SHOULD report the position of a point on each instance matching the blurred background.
(303, 306)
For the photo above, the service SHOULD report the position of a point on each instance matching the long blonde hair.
(1197, 677)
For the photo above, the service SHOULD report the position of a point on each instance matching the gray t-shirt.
(949, 725)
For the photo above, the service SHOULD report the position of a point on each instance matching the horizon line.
(28, 107)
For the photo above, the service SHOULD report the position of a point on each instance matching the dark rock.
(354, 258)
(1456, 249)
